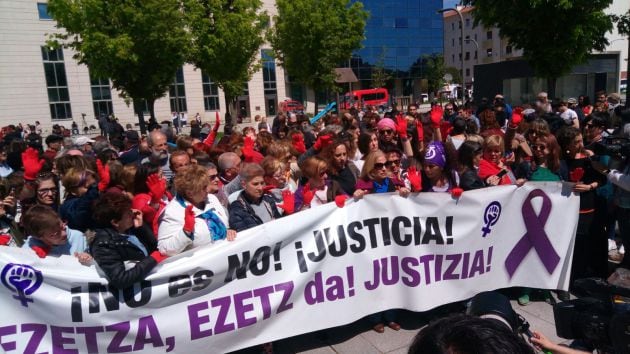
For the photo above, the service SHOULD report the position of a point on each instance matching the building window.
(489, 52)
(401, 22)
(467, 72)
(269, 81)
(42, 9)
(508, 49)
(177, 93)
(467, 57)
(56, 83)
(476, 56)
(210, 93)
(452, 42)
(467, 22)
(246, 89)
(489, 35)
(460, 56)
(101, 97)
(453, 26)
(475, 36)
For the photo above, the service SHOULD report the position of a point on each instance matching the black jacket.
(242, 216)
(470, 180)
(111, 249)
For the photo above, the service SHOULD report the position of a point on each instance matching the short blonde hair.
(271, 165)
(191, 179)
(312, 166)
(370, 161)
(494, 141)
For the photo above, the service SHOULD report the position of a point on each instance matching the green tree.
(226, 37)
(380, 75)
(138, 45)
(554, 35)
(312, 37)
(623, 27)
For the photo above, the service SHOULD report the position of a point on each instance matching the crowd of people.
(122, 197)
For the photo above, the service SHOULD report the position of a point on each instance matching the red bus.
(361, 98)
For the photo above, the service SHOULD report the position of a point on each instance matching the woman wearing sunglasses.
(316, 188)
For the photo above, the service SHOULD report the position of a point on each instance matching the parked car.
(287, 106)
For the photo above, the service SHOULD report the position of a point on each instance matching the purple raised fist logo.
(21, 279)
(490, 217)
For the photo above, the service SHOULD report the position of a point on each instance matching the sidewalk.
(359, 338)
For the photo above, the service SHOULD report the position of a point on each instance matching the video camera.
(495, 306)
(613, 146)
(601, 319)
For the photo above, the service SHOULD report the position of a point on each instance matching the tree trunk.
(551, 88)
(628, 77)
(227, 129)
(137, 107)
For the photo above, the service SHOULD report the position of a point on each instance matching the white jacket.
(171, 237)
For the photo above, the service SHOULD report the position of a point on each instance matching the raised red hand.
(103, 175)
(457, 192)
(436, 116)
(298, 143)
(340, 200)
(32, 163)
(415, 179)
(158, 256)
(157, 187)
(517, 117)
(322, 142)
(250, 154)
(288, 202)
(401, 126)
(419, 130)
(189, 219)
(307, 194)
(5, 239)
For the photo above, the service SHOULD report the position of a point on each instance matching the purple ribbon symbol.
(535, 237)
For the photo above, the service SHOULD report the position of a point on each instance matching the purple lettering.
(39, 330)
(450, 274)
(438, 267)
(314, 290)
(477, 266)
(121, 329)
(90, 337)
(223, 303)
(196, 321)
(59, 341)
(425, 260)
(395, 276)
(146, 325)
(241, 309)
(376, 279)
(5, 331)
(336, 290)
(287, 290)
(407, 264)
(263, 295)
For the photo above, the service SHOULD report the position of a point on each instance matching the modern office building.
(492, 64)
(399, 33)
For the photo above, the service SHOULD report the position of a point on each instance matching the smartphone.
(502, 173)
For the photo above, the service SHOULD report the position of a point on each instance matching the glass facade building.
(399, 33)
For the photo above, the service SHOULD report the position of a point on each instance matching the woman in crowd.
(589, 253)
(123, 247)
(340, 168)
(437, 174)
(81, 191)
(194, 217)
(493, 169)
(368, 142)
(49, 236)
(253, 206)
(318, 189)
(469, 156)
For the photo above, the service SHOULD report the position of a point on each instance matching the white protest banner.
(320, 268)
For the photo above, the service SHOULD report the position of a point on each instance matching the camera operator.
(542, 342)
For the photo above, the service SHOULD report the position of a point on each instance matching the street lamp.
(461, 42)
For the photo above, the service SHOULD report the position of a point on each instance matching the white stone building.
(53, 88)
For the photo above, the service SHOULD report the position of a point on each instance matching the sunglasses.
(539, 147)
(393, 162)
(386, 131)
(45, 191)
(379, 165)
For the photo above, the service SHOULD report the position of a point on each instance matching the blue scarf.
(217, 228)
(381, 188)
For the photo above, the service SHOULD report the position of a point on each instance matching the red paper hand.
(307, 195)
(32, 163)
(157, 187)
(103, 174)
(415, 179)
(189, 219)
(401, 126)
(576, 175)
(340, 200)
(250, 154)
(5, 239)
(288, 202)
(42, 251)
(457, 192)
(217, 122)
(322, 142)
(158, 256)
(436, 115)
(298, 143)
(419, 130)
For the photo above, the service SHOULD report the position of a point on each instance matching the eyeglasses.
(213, 177)
(56, 235)
(539, 147)
(45, 191)
(386, 131)
(379, 165)
(393, 162)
